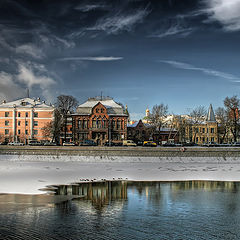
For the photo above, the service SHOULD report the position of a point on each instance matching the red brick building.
(101, 120)
(139, 131)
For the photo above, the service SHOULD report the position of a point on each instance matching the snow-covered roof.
(112, 107)
(26, 103)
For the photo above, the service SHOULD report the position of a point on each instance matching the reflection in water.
(132, 210)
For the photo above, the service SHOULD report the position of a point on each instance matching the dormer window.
(23, 103)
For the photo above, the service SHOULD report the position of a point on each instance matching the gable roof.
(26, 103)
(112, 107)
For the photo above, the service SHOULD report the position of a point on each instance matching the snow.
(107, 103)
(27, 174)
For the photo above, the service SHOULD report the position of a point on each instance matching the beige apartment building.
(24, 119)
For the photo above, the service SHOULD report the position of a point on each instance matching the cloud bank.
(227, 12)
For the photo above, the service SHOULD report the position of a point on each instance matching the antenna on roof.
(27, 92)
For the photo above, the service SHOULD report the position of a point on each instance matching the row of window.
(99, 110)
(203, 139)
(35, 123)
(203, 130)
(83, 124)
(35, 114)
(35, 132)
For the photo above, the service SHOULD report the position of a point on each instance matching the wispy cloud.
(30, 50)
(120, 21)
(207, 71)
(90, 59)
(90, 7)
(176, 26)
(227, 12)
(173, 31)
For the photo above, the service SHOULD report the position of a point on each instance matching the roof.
(112, 107)
(26, 103)
(210, 116)
(136, 123)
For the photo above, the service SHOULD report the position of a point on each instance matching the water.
(128, 210)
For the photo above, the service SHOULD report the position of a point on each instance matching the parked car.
(3, 143)
(87, 143)
(129, 143)
(69, 144)
(139, 143)
(236, 144)
(211, 144)
(169, 145)
(149, 144)
(50, 144)
(16, 144)
(189, 144)
(34, 143)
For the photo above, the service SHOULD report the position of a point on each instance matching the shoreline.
(26, 174)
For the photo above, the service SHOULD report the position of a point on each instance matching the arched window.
(118, 124)
(94, 123)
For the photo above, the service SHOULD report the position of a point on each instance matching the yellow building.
(204, 132)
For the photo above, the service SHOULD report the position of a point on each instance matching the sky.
(182, 53)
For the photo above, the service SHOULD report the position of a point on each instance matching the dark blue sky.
(183, 53)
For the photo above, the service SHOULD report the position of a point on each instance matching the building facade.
(204, 132)
(100, 120)
(139, 131)
(24, 119)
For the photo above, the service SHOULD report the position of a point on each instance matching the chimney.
(4, 101)
(38, 99)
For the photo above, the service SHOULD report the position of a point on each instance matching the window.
(203, 130)
(99, 123)
(118, 124)
(196, 139)
(212, 139)
(35, 132)
(113, 124)
(35, 123)
(6, 131)
(19, 123)
(36, 114)
(19, 131)
(19, 114)
(6, 123)
(80, 124)
(26, 132)
(212, 130)
(196, 130)
(104, 123)
(6, 114)
(203, 139)
(97, 110)
(26, 123)
(102, 110)
(85, 124)
(26, 114)
(94, 123)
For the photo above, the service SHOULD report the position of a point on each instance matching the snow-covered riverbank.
(28, 174)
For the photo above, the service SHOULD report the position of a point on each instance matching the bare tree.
(232, 108)
(222, 119)
(66, 105)
(157, 115)
(197, 117)
(52, 129)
